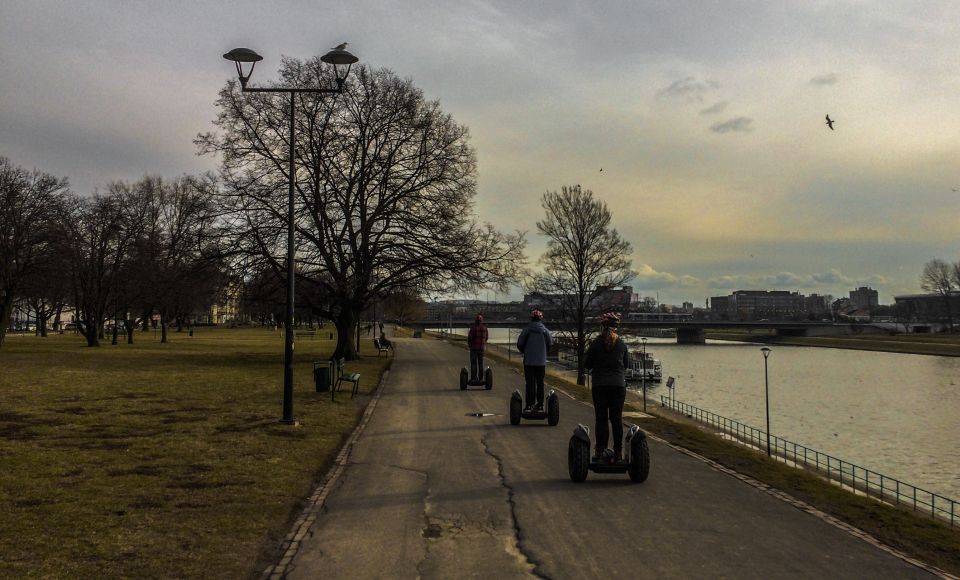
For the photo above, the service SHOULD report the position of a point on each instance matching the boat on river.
(643, 366)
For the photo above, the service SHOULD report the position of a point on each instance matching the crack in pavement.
(518, 540)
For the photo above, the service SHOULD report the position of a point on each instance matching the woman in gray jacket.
(534, 342)
(608, 357)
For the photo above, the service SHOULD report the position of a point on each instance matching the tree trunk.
(42, 324)
(130, 325)
(92, 332)
(346, 325)
(163, 330)
(6, 308)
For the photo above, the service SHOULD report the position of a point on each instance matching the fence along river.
(897, 414)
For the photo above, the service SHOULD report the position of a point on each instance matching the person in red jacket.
(477, 343)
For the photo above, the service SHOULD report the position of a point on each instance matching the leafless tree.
(937, 278)
(384, 191)
(584, 256)
(29, 202)
(404, 305)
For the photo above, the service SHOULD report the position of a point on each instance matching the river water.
(896, 414)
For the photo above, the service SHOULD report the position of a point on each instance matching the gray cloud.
(688, 89)
(648, 278)
(822, 80)
(737, 125)
(715, 108)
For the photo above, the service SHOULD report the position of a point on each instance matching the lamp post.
(766, 393)
(643, 373)
(341, 61)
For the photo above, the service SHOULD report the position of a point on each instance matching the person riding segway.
(477, 342)
(608, 358)
(534, 342)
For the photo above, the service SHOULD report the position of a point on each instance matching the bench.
(310, 333)
(343, 377)
(381, 349)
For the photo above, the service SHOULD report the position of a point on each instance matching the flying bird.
(829, 122)
(342, 46)
(601, 169)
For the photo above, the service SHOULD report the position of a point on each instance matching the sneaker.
(528, 409)
(617, 456)
(539, 407)
(597, 455)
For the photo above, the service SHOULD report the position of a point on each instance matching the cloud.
(823, 80)
(648, 278)
(715, 108)
(688, 89)
(737, 124)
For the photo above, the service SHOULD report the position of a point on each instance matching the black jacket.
(609, 367)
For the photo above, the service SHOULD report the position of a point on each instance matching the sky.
(706, 118)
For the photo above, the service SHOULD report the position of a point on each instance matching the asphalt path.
(431, 491)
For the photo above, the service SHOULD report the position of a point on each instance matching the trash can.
(321, 376)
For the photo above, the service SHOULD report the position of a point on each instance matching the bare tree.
(384, 192)
(404, 305)
(585, 255)
(937, 278)
(29, 202)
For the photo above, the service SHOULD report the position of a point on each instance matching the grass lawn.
(161, 460)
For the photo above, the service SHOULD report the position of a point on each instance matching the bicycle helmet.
(536, 315)
(611, 319)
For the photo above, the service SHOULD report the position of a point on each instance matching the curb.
(301, 527)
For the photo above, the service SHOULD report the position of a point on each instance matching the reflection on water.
(896, 414)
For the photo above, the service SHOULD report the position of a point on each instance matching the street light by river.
(643, 373)
(341, 61)
(766, 392)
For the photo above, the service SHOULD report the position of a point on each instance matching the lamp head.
(341, 59)
(765, 351)
(240, 56)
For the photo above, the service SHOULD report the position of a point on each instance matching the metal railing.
(850, 476)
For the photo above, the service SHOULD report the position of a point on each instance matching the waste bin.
(321, 376)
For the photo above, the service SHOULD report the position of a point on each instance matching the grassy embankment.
(932, 344)
(161, 460)
(927, 540)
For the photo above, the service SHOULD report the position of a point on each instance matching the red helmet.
(611, 319)
(536, 315)
(478, 317)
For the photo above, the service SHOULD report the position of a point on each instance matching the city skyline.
(708, 122)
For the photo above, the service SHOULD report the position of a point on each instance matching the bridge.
(688, 331)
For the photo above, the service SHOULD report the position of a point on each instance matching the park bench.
(381, 348)
(343, 377)
(310, 333)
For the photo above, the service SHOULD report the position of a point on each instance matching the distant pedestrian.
(384, 343)
(608, 358)
(477, 342)
(534, 342)
(381, 326)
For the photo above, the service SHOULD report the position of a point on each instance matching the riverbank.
(923, 538)
(929, 344)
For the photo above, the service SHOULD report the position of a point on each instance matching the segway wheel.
(488, 379)
(639, 467)
(578, 459)
(516, 407)
(463, 379)
(553, 410)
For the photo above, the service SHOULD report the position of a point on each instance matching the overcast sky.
(707, 118)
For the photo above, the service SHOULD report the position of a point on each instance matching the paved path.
(431, 492)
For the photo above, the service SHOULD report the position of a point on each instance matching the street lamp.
(341, 61)
(643, 373)
(766, 392)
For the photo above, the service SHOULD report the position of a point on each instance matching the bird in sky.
(829, 122)
(601, 169)
(341, 46)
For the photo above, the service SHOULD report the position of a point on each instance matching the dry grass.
(931, 344)
(152, 460)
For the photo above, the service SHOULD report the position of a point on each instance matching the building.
(754, 304)
(928, 307)
(864, 298)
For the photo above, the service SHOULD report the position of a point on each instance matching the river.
(896, 414)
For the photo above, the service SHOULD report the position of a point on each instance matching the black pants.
(608, 406)
(476, 365)
(533, 375)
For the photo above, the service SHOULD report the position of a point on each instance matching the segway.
(551, 414)
(486, 382)
(636, 461)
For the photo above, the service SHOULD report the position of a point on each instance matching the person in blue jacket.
(534, 342)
